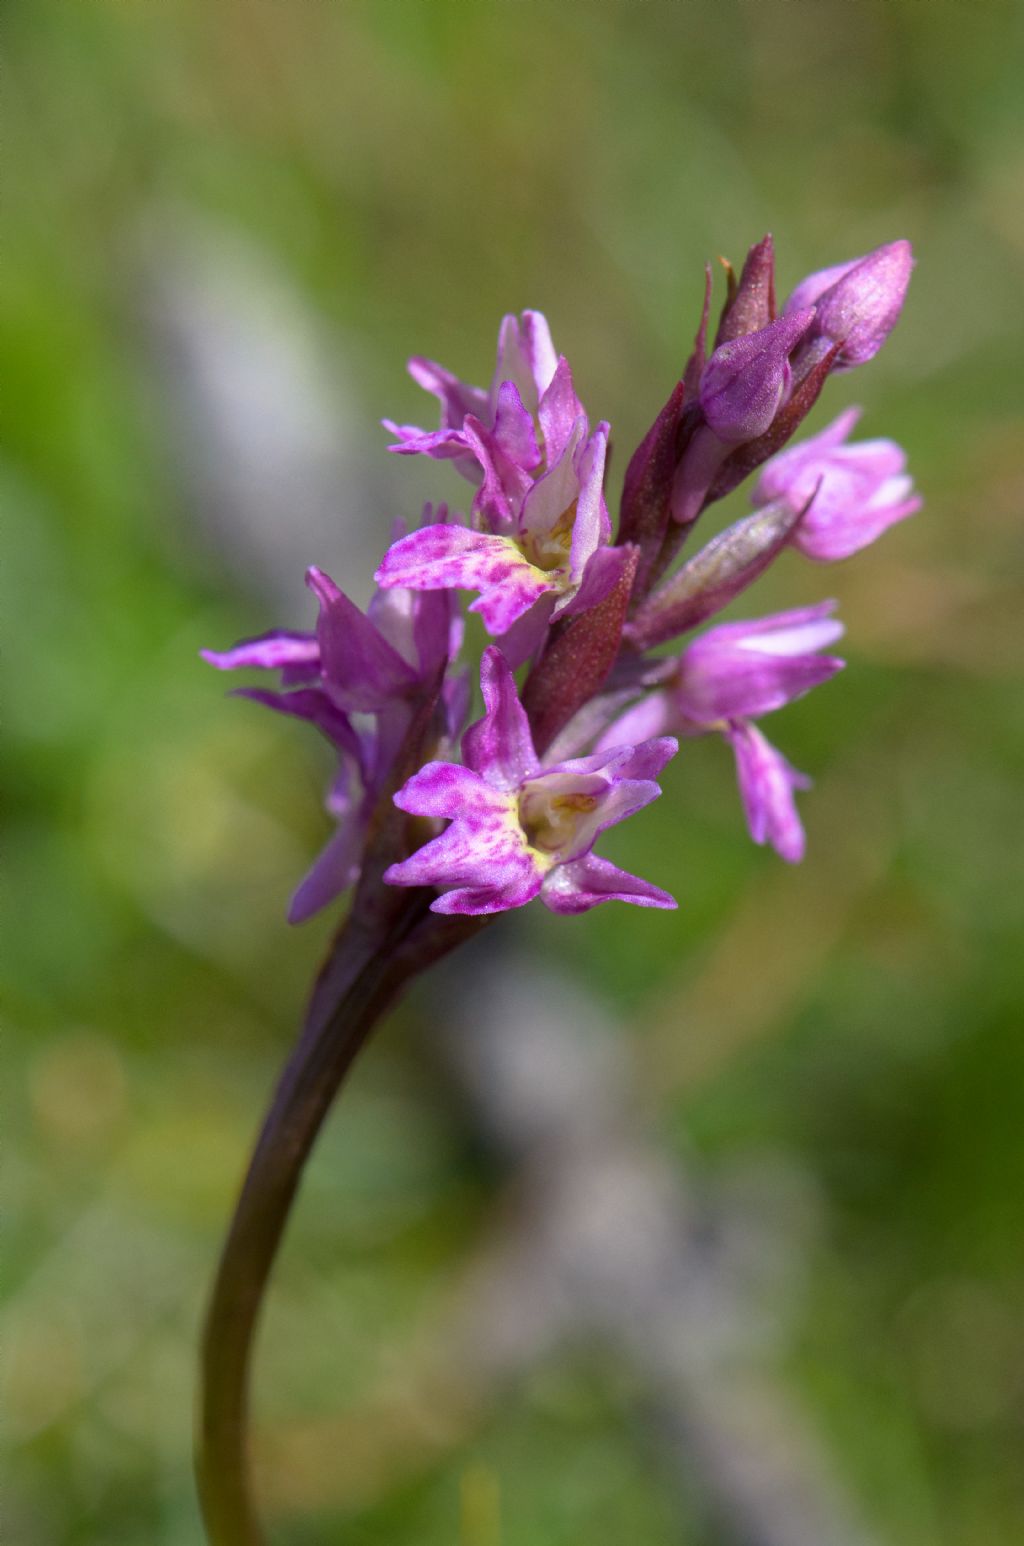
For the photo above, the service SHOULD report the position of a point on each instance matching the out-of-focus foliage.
(402, 173)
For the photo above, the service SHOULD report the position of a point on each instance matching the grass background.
(401, 173)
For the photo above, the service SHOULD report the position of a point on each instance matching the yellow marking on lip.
(550, 824)
(549, 551)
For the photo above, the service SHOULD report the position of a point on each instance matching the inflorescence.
(510, 808)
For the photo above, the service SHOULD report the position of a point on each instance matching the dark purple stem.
(366, 971)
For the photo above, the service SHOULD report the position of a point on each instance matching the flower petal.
(504, 484)
(513, 429)
(448, 789)
(457, 398)
(273, 651)
(336, 868)
(829, 536)
(592, 527)
(559, 409)
(555, 493)
(587, 882)
(441, 444)
(652, 715)
(767, 784)
(481, 862)
(314, 705)
(499, 746)
(778, 633)
(602, 572)
(360, 668)
(443, 557)
(852, 493)
(526, 634)
(749, 668)
(526, 356)
(648, 757)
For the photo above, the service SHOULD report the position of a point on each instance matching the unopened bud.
(745, 380)
(856, 304)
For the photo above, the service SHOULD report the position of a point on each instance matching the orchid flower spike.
(429, 820)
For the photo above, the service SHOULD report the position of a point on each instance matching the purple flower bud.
(854, 492)
(857, 304)
(808, 290)
(744, 382)
(744, 459)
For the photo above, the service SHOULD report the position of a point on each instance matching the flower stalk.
(365, 973)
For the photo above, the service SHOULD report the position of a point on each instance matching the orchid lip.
(550, 822)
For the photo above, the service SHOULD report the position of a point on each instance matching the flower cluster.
(489, 817)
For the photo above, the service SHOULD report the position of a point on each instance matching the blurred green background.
(227, 225)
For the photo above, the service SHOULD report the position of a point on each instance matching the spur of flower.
(520, 828)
